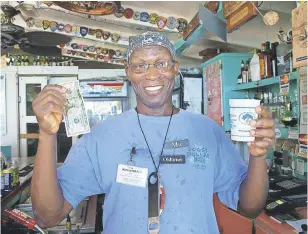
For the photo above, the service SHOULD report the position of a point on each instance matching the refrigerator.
(104, 99)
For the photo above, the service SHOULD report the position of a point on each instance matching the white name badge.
(130, 175)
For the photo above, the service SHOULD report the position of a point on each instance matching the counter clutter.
(16, 208)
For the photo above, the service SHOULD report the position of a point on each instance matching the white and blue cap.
(148, 39)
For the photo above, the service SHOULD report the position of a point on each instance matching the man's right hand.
(48, 107)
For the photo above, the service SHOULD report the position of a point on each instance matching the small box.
(299, 36)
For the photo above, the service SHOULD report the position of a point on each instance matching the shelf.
(262, 83)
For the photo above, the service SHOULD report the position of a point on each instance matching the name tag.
(130, 175)
(177, 144)
(175, 159)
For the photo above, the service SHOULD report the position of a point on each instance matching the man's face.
(154, 86)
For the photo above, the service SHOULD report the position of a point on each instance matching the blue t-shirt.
(213, 165)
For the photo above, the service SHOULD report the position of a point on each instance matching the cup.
(241, 112)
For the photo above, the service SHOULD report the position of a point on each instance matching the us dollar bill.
(76, 119)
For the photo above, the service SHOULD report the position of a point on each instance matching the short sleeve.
(230, 171)
(77, 176)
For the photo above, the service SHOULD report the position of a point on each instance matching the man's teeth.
(153, 88)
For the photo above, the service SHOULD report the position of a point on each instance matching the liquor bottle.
(261, 97)
(268, 59)
(265, 96)
(27, 62)
(62, 61)
(47, 61)
(11, 61)
(22, 63)
(240, 77)
(53, 61)
(274, 58)
(43, 61)
(256, 94)
(38, 60)
(58, 61)
(262, 59)
(243, 72)
(248, 71)
(18, 61)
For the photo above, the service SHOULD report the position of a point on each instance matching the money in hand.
(76, 120)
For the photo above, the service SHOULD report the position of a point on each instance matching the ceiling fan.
(34, 42)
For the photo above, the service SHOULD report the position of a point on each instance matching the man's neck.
(165, 110)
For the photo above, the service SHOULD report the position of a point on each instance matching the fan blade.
(41, 50)
(39, 38)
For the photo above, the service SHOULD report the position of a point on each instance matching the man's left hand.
(263, 131)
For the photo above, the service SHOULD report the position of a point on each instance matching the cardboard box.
(299, 36)
(230, 7)
(191, 27)
(242, 15)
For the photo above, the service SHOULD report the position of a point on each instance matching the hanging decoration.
(116, 54)
(76, 30)
(93, 8)
(106, 58)
(271, 18)
(90, 7)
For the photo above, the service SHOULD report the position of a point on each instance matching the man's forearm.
(254, 189)
(46, 193)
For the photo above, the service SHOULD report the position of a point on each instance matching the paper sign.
(300, 167)
(303, 145)
(284, 85)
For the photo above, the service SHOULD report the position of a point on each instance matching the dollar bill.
(76, 119)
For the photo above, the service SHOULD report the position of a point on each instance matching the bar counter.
(83, 217)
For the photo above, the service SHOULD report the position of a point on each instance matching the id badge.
(154, 203)
(131, 175)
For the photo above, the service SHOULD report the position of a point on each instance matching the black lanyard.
(154, 187)
(162, 149)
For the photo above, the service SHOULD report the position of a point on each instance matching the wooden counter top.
(229, 221)
(274, 226)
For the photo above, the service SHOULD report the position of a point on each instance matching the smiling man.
(158, 165)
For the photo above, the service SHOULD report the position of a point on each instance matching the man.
(131, 155)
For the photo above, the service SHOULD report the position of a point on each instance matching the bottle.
(47, 63)
(255, 67)
(38, 60)
(240, 78)
(248, 72)
(71, 62)
(18, 61)
(58, 62)
(243, 72)
(268, 63)
(22, 63)
(53, 61)
(43, 61)
(274, 58)
(262, 62)
(27, 62)
(262, 97)
(62, 62)
(256, 95)
(11, 61)
(274, 109)
(265, 96)
(15, 172)
(270, 104)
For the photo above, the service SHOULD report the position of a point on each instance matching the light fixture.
(271, 18)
